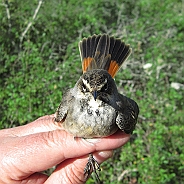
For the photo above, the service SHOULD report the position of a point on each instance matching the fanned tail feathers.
(103, 52)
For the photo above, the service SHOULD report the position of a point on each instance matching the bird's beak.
(95, 94)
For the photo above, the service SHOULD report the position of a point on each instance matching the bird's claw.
(92, 166)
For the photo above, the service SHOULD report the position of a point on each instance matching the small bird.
(94, 108)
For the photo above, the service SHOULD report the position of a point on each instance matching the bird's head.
(97, 82)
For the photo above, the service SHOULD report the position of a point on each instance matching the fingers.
(43, 144)
(38, 152)
(42, 124)
(55, 146)
(114, 141)
(36, 178)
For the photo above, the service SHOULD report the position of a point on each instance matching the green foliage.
(38, 66)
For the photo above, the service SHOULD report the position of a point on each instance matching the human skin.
(26, 151)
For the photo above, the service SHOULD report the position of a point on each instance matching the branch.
(31, 22)
(126, 172)
(6, 5)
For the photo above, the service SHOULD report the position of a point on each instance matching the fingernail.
(105, 154)
(93, 140)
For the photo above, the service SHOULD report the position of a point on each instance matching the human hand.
(27, 150)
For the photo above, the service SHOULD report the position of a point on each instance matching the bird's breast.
(89, 118)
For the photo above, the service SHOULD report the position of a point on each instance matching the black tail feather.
(103, 52)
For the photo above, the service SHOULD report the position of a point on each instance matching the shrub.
(38, 63)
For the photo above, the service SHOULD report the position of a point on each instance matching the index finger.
(42, 124)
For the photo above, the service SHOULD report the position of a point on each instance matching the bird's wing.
(62, 109)
(127, 114)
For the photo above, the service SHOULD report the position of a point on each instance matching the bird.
(94, 108)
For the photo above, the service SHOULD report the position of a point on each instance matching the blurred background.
(39, 61)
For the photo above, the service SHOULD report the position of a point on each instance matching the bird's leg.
(92, 166)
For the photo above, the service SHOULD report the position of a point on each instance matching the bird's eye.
(105, 88)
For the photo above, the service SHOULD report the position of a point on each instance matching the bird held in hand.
(94, 108)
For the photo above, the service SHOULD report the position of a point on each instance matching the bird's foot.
(92, 166)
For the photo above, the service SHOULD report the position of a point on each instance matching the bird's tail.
(103, 52)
